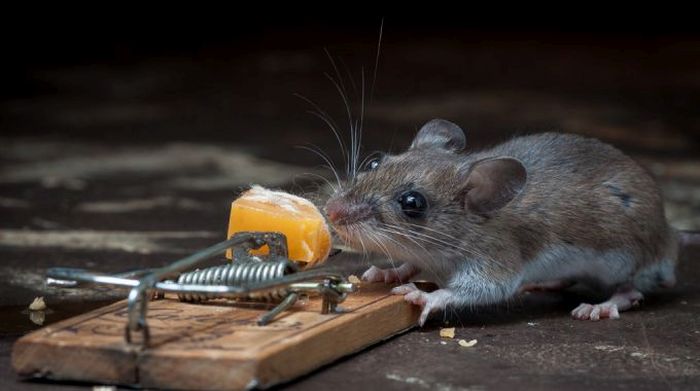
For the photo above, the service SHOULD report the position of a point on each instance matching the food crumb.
(38, 304)
(37, 317)
(353, 279)
(466, 344)
(104, 388)
(447, 332)
(443, 343)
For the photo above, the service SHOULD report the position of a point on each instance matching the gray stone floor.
(120, 166)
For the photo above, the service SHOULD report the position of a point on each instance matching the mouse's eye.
(413, 204)
(373, 163)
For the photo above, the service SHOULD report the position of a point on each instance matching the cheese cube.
(260, 209)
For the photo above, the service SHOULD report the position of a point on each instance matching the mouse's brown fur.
(534, 209)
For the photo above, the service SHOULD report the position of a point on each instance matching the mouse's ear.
(492, 183)
(440, 133)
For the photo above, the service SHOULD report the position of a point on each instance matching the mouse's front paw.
(430, 302)
(374, 274)
(405, 288)
(390, 276)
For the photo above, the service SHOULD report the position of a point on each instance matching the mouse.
(537, 212)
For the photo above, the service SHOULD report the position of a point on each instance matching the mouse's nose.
(336, 211)
(341, 212)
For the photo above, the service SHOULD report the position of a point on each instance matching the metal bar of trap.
(298, 282)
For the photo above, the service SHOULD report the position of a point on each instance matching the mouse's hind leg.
(660, 274)
(623, 299)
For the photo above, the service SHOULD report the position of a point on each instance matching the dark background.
(133, 75)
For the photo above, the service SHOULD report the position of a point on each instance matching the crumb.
(38, 304)
(447, 332)
(466, 344)
(37, 317)
(104, 388)
(532, 324)
(353, 279)
(443, 343)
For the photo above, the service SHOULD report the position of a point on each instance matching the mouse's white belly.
(565, 262)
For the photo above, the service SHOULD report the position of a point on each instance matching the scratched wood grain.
(211, 346)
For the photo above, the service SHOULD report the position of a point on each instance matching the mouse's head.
(427, 199)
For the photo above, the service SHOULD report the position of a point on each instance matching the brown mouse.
(539, 211)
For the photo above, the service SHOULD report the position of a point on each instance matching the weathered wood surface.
(211, 346)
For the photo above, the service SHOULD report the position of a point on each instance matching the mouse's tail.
(689, 238)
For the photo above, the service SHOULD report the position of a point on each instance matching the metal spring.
(238, 273)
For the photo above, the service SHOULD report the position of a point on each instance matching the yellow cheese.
(260, 209)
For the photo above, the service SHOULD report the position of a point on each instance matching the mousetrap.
(254, 322)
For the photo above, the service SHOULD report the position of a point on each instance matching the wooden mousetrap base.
(210, 346)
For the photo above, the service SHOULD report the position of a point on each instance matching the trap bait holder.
(271, 278)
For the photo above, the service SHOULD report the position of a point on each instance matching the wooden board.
(211, 346)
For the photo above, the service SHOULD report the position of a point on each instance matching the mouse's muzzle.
(343, 212)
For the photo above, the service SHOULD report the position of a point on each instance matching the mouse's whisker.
(324, 156)
(326, 118)
(355, 234)
(418, 251)
(334, 129)
(429, 256)
(321, 177)
(371, 90)
(332, 125)
(380, 244)
(433, 230)
(351, 153)
(376, 61)
(438, 241)
(346, 68)
(457, 249)
(431, 239)
(358, 129)
(348, 111)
